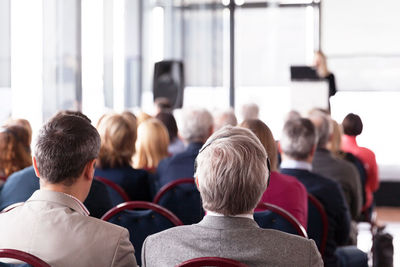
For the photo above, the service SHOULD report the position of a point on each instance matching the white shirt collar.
(296, 164)
(212, 213)
(79, 203)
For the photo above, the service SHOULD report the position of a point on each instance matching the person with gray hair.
(53, 224)
(250, 111)
(298, 144)
(231, 175)
(224, 118)
(325, 164)
(196, 127)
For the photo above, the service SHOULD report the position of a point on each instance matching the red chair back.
(183, 199)
(12, 206)
(317, 227)
(23, 256)
(286, 216)
(211, 261)
(121, 192)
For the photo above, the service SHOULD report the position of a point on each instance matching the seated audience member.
(298, 144)
(141, 117)
(15, 151)
(352, 127)
(53, 224)
(23, 123)
(329, 166)
(22, 184)
(232, 175)
(283, 190)
(197, 126)
(224, 118)
(118, 136)
(151, 145)
(175, 143)
(250, 111)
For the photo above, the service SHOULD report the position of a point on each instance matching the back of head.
(264, 134)
(352, 125)
(66, 143)
(162, 104)
(23, 123)
(323, 126)
(118, 136)
(197, 125)
(15, 152)
(335, 142)
(224, 118)
(250, 111)
(151, 145)
(170, 123)
(232, 171)
(298, 138)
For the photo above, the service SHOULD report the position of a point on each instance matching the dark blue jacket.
(136, 183)
(331, 196)
(180, 165)
(21, 185)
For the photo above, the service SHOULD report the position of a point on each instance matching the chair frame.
(325, 222)
(114, 186)
(286, 215)
(171, 185)
(23, 256)
(131, 205)
(211, 261)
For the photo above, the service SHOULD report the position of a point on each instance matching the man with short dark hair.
(231, 175)
(54, 224)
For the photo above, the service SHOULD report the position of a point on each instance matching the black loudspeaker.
(169, 82)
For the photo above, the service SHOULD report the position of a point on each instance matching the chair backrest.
(183, 199)
(116, 193)
(317, 227)
(274, 217)
(150, 219)
(23, 256)
(12, 206)
(211, 261)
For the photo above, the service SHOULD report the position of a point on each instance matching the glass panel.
(5, 49)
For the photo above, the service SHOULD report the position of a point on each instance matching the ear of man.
(35, 166)
(88, 171)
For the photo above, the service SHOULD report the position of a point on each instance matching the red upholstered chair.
(23, 256)
(117, 194)
(317, 227)
(211, 261)
(12, 206)
(183, 199)
(142, 219)
(278, 219)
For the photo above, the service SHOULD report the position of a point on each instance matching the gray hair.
(232, 171)
(196, 125)
(250, 111)
(224, 118)
(323, 126)
(298, 138)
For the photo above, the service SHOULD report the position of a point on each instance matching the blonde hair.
(118, 136)
(15, 153)
(264, 134)
(151, 145)
(335, 143)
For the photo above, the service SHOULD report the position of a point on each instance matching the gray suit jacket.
(230, 237)
(55, 227)
(342, 172)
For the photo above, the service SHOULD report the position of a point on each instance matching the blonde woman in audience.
(151, 145)
(118, 136)
(15, 152)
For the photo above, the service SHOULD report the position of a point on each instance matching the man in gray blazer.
(53, 224)
(232, 174)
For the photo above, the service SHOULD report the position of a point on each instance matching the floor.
(390, 217)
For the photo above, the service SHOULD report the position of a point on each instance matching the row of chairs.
(182, 199)
(34, 261)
